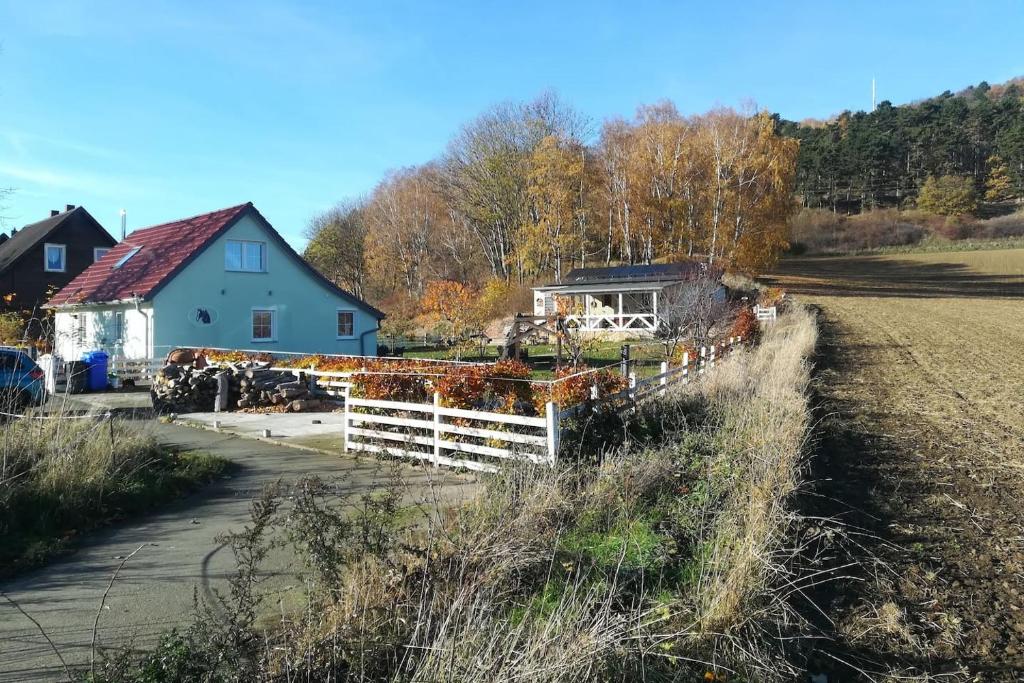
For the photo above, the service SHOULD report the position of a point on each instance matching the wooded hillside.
(864, 160)
(529, 191)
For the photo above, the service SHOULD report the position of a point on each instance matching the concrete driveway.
(154, 590)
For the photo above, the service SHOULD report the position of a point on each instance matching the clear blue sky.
(169, 109)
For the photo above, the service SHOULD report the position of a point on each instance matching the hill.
(864, 160)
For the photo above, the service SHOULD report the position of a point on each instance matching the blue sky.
(169, 109)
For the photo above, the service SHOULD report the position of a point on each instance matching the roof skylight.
(124, 259)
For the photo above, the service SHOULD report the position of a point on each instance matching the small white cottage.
(621, 300)
(224, 279)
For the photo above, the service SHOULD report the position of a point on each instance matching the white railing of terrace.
(616, 322)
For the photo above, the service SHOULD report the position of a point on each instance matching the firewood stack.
(186, 388)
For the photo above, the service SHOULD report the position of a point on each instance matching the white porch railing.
(614, 322)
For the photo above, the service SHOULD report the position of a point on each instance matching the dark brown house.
(41, 258)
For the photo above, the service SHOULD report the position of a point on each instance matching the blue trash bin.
(97, 375)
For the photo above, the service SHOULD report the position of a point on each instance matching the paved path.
(154, 591)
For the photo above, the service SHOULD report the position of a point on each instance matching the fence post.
(686, 367)
(554, 428)
(437, 429)
(664, 375)
(703, 360)
(711, 361)
(345, 423)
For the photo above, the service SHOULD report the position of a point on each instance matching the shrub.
(746, 326)
(1000, 227)
(947, 195)
(822, 232)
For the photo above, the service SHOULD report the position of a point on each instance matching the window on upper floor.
(55, 258)
(346, 324)
(98, 253)
(244, 256)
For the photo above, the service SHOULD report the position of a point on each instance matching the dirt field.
(921, 455)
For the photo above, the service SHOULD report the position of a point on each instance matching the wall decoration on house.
(203, 316)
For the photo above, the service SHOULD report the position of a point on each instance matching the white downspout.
(149, 321)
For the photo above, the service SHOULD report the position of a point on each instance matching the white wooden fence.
(480, 440)
(765, 313)
(444, 436)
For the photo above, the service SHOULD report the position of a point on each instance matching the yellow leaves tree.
(998, 185)
(549, 238)
(454, 305)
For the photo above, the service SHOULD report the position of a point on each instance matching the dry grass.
(665, 559)
(62, 476)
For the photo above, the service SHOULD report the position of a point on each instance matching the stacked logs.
(184, 387)
(260, 386)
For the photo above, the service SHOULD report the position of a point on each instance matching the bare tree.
(689, 311)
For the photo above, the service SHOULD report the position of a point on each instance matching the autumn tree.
(556, 226)
(454, 304)
(336, 246)
(998, 185)
(947, 196)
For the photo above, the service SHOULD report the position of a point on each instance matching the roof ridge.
(188, 218)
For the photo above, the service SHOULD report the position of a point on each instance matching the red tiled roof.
(163, 251)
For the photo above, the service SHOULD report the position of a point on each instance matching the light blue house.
(224, 279)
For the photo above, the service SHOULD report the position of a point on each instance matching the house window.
(98, 253)
(54, 258)
(118, 326)
(263, 324)
(81, 328)
(245, 257)
(346, 324)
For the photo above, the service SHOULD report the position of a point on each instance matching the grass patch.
(61, 478)
(646, 356)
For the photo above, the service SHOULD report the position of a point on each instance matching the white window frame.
(81, 327)
(63, 258)
(118, 327)
(272, 310)
(241, 255)
(95, 257)
(345, 310)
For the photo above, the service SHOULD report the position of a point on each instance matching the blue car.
(21, 380)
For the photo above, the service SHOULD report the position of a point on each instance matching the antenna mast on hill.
(872, 93)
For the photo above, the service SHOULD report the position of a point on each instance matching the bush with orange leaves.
(502, 387)
(745, 325)
(572, 386)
